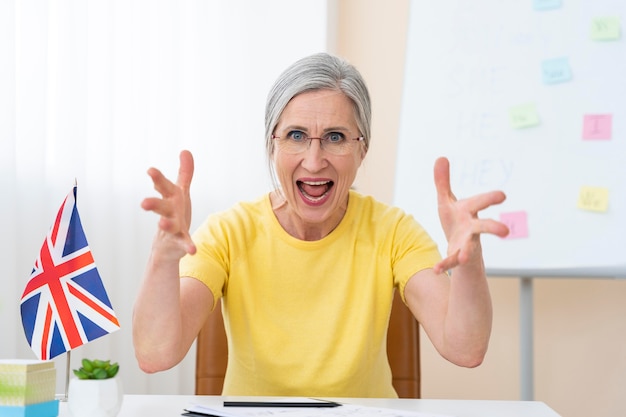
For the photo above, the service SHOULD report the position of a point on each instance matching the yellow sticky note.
(605, 28)
(524, 115)
(593, 198)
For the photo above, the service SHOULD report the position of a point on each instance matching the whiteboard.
(528, 97)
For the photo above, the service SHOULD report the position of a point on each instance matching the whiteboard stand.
(527, 344)
(526, 339)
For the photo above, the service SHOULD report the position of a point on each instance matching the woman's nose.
(315, 156)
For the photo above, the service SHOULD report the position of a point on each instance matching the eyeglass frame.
(310, 140)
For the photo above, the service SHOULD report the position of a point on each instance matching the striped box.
(26, 382)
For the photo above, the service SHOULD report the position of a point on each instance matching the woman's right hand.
(169, 311)
(174, 207)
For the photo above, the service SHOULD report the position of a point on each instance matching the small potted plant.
(96, 391)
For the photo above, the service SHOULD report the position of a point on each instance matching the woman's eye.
(334, 137)
(296, 136)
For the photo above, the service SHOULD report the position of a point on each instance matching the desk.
(172, 406)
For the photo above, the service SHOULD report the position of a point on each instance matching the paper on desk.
(343, 410)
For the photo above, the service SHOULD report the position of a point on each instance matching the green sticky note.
(605, 28)
(522, 116)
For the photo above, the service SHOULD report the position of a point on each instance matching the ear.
(272, 152)
(363, 152)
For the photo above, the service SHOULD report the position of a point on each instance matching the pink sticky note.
(597, 126)
(517, 221)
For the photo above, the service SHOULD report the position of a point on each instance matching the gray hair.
(319, 71)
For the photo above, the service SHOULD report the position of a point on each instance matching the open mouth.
(314, 191)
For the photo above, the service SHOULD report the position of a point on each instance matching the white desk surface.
(173, 405)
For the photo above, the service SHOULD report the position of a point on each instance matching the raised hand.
(460, 222)
(174, 207)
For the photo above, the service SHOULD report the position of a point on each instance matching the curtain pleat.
(97, 92)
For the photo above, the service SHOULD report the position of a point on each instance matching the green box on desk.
(44, 409)
(26, 382)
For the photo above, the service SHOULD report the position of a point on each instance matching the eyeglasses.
(334, 142)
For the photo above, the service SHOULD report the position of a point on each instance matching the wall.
(580, 333)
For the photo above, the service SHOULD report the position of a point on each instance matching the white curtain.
(99, 91)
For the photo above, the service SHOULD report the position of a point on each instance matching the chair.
(402, 350)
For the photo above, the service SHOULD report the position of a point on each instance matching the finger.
(488, 226)
(182, 239)
(465, 254)
(159, 206)
(190, 247)
(442, 179)
(172, 226)
(167, 225)
(482, 201)
(185, 171)
(447, 263)
(494, 227)
(151, 203)
(164, 186)
(181, 236)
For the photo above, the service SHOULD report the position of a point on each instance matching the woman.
(307, 272)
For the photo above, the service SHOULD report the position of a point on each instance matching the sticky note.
(556, 71)
(593, 199)
(517, 222)
(523, 116)
(597, 126)
(605, 28)
(546, 4)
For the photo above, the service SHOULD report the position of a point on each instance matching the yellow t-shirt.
(308, 318)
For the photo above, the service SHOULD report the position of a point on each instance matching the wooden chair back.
(402, 350)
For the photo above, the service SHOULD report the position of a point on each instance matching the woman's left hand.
(460, 222)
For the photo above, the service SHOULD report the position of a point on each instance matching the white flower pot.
(94, 397)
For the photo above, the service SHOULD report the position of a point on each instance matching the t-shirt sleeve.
(210, 263)
(414, 251)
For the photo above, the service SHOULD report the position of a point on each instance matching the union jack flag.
(65, 304)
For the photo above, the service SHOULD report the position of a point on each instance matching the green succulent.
(97, 369)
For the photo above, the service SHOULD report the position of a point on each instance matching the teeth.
(314, 183)
(311, 198)
(314, 199)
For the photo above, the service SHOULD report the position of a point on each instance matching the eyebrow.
(327, 130)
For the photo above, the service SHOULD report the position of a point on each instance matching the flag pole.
(67, 374)
(63, 397)
(69, 352)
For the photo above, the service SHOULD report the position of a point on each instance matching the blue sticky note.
(546, 4)
(556, 71)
